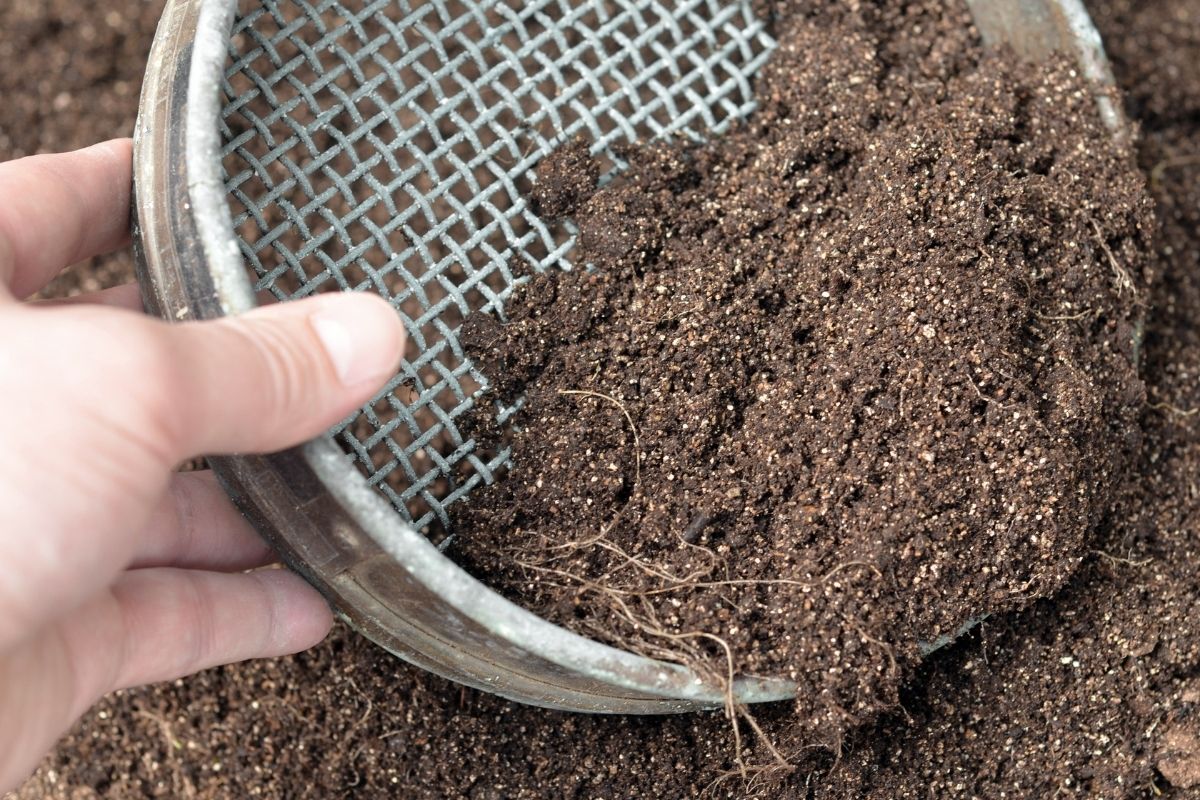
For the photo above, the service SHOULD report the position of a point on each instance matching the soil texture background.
(1094, 692)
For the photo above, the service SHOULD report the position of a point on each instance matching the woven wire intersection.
(387, 146)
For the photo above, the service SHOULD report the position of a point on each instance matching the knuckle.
(132, 369)
(198, 626)
(155, 397)
(268, 601)
(287, 370)
(186, 505)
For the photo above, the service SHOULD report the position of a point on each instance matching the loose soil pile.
(1087, 694)
(839, 383)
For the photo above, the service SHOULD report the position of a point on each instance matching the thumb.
(279, 375)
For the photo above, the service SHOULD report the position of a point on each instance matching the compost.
(1089, 693)
(836, 385)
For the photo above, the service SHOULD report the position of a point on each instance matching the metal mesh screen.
(387, 146)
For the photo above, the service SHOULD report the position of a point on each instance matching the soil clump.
(836, 385)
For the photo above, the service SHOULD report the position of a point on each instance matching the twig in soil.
(884, 646)
(1115, 560)
(684, 313)
(971, 378)
(648, 569)
(979, 391)
(637, 447)
(752, 775)
(181, 783)
(752, 582)
(780, 760)
(689, 583)
(1124, 279)
(357, 775)
(1176, 410)
(1160, 169)
(370, 705)
(733, 709)
(1087, 312)
(637, 439)
(602, 536)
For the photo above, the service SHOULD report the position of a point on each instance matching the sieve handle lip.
(1036, 29)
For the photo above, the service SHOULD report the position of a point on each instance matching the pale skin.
(115, 569)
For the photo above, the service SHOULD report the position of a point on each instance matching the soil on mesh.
(838, 384)
(1090, 693)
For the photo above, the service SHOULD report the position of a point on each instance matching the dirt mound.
(838, 384)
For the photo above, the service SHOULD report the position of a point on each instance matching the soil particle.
(565, 181)
(1179, 749)
(837, 384)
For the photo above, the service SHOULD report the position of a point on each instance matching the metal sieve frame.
(314, 506)
(386, 579)
(385, 146)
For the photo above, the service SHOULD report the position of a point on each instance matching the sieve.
(290, 147)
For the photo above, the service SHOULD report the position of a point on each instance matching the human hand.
(116, 571)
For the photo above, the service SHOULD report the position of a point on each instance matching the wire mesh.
(388, 145)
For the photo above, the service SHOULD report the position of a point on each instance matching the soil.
(837, 384)
(1090, 693)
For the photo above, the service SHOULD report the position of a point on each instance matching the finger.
(167, 623)
(153, 625)
(281, 375)
(197, 527)
(60, 209)
(128, 297)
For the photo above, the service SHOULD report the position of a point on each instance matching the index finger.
(59, 209)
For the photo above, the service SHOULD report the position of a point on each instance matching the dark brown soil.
(1092, 693)
(1088, 694)
(841, 382)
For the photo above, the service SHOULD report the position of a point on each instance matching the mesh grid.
(387, 145)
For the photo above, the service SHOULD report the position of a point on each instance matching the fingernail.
(362, 335)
